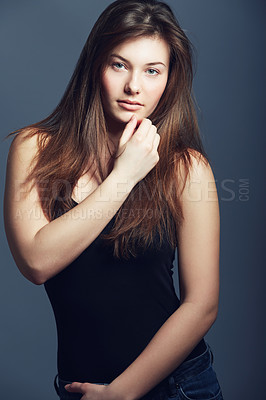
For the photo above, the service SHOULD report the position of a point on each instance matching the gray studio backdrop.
(40, 44)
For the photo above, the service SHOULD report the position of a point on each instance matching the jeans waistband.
(186, 370)
(192, 367)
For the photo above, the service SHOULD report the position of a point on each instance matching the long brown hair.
(74, 136)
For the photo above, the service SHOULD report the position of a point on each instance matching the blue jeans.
(194, 379)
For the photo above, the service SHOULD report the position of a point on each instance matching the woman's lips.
(130, 106)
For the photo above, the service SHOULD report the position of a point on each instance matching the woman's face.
(134, 79)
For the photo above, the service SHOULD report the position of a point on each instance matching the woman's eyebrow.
(125, 60)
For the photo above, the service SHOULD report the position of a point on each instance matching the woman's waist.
(103, 364)
(102, 358)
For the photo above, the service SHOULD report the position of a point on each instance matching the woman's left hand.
(90, 391)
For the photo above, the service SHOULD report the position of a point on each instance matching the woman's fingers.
(92, 391)
(128, 131)
(152, 139)
(139, 154)
(153, 136)
(76, 387)
(156, 140)
(143, 129)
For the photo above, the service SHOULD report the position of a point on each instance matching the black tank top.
(107, 310)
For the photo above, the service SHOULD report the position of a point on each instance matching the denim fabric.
(194, 379)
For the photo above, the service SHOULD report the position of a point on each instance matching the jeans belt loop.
(172, 386)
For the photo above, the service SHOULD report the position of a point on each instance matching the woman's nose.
(133, 84)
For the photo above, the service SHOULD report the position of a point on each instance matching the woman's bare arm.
(42, 249)
(199, 238)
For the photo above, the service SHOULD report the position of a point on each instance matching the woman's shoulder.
(24, 146)
(25, 137)
(22, 155)
(199, 164)
(196, 172)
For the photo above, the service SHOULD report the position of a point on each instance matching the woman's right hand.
(137, 150)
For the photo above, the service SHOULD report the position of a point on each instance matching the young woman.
(98, 197)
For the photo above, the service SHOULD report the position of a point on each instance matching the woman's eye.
(118, 65)
(152, 71)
